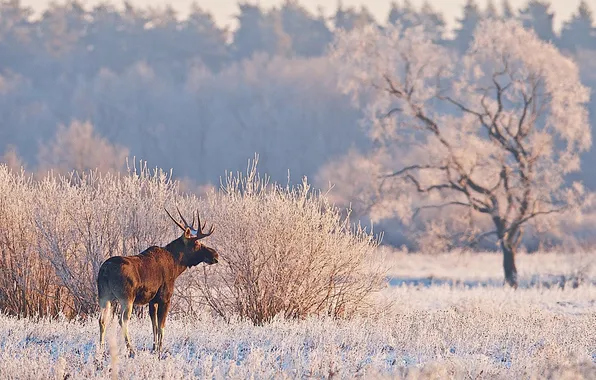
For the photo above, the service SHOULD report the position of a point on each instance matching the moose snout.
(214, 256)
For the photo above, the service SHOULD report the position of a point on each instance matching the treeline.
(85, 87)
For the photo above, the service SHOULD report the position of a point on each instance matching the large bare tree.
(480, 143)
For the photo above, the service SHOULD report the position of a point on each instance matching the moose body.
(148, 278)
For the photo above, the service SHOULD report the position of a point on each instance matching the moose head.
(194, 251)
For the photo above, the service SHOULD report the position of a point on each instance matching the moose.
(148, 278)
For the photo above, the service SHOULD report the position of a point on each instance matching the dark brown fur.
(148, 278)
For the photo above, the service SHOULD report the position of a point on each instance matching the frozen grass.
(428, 332)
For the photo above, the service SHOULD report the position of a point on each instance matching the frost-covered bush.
(56, 231)
(85, 218)
(27, 284)
(284, 250)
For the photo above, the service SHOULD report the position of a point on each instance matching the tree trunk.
(509, 263)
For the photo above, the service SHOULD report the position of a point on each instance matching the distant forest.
(86, 87)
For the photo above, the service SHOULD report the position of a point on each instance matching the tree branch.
(533, 215)
(482, 236)
(463, 108)
(413, 167)
(430, 188)
(441, 206)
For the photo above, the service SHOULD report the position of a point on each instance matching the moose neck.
(178, 250)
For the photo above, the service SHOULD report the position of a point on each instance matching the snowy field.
(460, 325)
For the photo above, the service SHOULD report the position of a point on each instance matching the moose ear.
(187, 233)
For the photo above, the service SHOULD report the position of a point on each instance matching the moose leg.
(104, 312)
(162, 312)
(124, 318)
(153, 315)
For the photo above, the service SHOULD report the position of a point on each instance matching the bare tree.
(480, 143)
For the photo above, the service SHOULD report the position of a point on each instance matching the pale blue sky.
(223, 10)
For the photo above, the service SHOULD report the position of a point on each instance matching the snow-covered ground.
(423, 330)
(486, 269)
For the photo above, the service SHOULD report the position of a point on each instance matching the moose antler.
(184, 220)
(200, 233)
(175, 221)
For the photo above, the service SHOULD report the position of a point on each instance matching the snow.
(439, 329)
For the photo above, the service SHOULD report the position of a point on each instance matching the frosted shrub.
(88, 217)
(286, 251)
(55, 233)
(27, 284)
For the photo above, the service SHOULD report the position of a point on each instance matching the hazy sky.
(223, 10)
